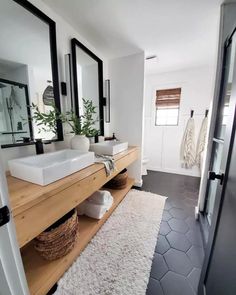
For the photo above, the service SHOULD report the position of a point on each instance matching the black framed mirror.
(87, 71)
(28, 61)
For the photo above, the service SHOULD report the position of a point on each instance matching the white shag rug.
(118, 259)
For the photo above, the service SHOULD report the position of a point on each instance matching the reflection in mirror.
(14, 111)
(25, 61)
(88, 81)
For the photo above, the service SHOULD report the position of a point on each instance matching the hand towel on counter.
(100, 197)
(108, 162)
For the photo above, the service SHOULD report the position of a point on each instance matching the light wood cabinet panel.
(32, 221)
(35, 208)
(42, 274)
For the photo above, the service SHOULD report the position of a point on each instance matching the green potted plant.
(82, 126)
(89, 120)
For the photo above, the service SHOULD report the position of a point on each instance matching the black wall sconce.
(107, 102)
(63, 88)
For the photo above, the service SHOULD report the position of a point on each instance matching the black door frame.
(230, 134)
(205, 226)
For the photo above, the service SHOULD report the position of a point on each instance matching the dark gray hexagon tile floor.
(178, 241)
(179, 253)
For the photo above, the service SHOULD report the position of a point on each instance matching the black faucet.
(96, 138)
(39, 146)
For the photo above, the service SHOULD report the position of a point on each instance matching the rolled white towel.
(81, 208)
(94, 210)
(109, 202)
(97, 211)
(100, 197)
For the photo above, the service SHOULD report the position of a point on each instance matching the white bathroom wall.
(162, 143)
(127, 87)
(90, 86)
(89, 83)
(65, 33)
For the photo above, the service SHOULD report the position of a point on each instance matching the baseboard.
(138, 183)
(175, 171)
(196, 213)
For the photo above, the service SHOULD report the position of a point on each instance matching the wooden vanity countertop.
(24, 194)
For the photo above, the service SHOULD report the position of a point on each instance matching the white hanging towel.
(187, 150)
(201, 143)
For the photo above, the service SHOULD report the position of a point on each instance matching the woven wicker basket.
(119, 181)
(60, 239)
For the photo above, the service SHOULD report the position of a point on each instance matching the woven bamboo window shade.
(168, 98)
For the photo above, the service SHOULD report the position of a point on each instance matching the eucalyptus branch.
(45, 121)
(80, 125)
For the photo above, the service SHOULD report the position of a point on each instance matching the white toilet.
(144, 165)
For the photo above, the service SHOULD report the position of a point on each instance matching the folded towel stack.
(96, 205)
(100, 198)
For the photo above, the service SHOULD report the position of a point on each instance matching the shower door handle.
(212, 176)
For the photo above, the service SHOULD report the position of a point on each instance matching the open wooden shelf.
(42, 274)
(29, 201)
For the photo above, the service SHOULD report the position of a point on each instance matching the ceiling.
(182, 33)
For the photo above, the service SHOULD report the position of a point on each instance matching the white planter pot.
(80, 142)
(91, 140)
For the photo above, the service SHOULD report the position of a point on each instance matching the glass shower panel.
(3, 126)
(226, 91)
(221, 123)
(13, 113)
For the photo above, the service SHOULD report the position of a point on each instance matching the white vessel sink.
(109, 147)
(47, 168)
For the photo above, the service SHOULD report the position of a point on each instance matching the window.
(167, 107)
